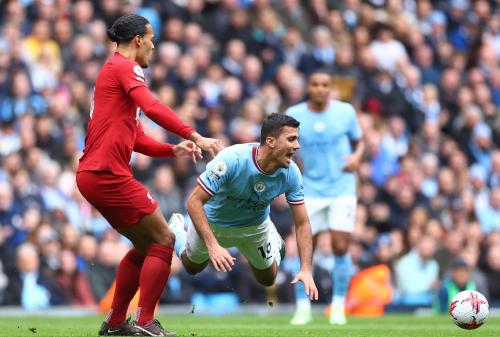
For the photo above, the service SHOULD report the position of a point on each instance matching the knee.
(267, 281)
(191, 268)
(166, 239)
(340, 247)
(340, 251)
(191, 271)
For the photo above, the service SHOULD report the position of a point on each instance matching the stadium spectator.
(493, 270)
(470, 254)
(459, 279)
(74, 283)
(166, 192)
(417, 274)
(29, 285)
(489, 214)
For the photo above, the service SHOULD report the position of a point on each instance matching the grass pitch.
(256, 326)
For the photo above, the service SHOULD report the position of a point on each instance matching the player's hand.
(221, 259)
(351, 163)
(187, 149)
(211, 145)
(306, 278)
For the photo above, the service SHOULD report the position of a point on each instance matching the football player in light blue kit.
(328, 128)
(230, 207)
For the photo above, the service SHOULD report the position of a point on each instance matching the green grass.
(256, 326)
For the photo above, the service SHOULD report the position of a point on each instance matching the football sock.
(341, 275)
(180, 241)
(154, 276)
(277, 258)
(127, 283)
(176, 225)
(303, 302)
(278, 242)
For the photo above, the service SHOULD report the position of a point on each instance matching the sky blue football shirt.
(325, 139)
(241, 191)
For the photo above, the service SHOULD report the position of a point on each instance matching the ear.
(138, 40)
(270, 141)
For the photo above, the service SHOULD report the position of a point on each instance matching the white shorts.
(331, 213)
(258, 244)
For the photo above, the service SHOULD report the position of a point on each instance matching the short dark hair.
(126, 27)
(319, 71)
(273, 124)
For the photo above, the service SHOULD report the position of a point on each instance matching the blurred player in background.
(230, 207)
(105, 179)
(329, 162)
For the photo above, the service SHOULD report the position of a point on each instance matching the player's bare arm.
(166, 118)
(304, 243)
(219, 256)
(352, 162)
(153, 148)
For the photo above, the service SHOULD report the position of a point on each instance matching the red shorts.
(122, 200)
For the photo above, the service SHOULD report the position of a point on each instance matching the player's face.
(319, 88)
(286, 145)
(145, 47)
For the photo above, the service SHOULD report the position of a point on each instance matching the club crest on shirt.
(140, 74)
(319, 127)
(259, 187)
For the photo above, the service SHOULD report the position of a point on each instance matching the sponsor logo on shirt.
(150, 198)
(137, 116)
(319, 127)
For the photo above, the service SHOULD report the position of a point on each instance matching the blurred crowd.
(423, 75)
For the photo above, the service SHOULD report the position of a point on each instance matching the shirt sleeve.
(130, 76)
(160, 113)
(151, 147)
(218, 172)
(295, 191)
(355, 132)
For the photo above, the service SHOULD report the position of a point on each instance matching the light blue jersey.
(325, 139)
(241, 191)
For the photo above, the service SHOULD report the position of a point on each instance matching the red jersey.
(114, 128)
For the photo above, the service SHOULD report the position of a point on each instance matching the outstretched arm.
(166, 118)
(158, 112)
(220, 257)
(151, 147)
(304, 243)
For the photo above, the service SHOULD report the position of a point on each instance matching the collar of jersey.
(255, 151)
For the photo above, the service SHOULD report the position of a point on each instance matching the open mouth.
(289, 155)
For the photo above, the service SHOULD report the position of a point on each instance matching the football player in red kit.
(104, 176)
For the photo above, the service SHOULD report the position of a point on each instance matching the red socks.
(127, 282)
(152, 281)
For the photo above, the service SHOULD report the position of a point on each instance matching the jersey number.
(266, 253)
